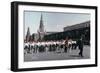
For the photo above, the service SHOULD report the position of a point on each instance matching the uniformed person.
(80, 45)
(66, 45)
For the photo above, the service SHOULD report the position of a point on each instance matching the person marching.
(69, 44)
(80, 45)
(66, 45)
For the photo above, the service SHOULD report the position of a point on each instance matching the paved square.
(45, 56)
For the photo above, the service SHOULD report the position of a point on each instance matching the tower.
(41, 31)
(28, 35)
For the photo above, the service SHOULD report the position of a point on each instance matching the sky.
(53, 21)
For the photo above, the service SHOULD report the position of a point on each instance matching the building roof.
(77, 26)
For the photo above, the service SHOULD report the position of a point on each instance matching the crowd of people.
(53, 46)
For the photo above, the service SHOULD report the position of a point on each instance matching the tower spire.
(28, 35)
(41, 29)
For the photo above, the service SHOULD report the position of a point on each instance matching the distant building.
(48, 33)
(77, 26)
(74, 32)
(35, 37)
(28, 36)
(41, 31)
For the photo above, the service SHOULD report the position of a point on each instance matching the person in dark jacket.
(66, 45)
(80, 45)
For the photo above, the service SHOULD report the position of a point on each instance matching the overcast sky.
(52, 21)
